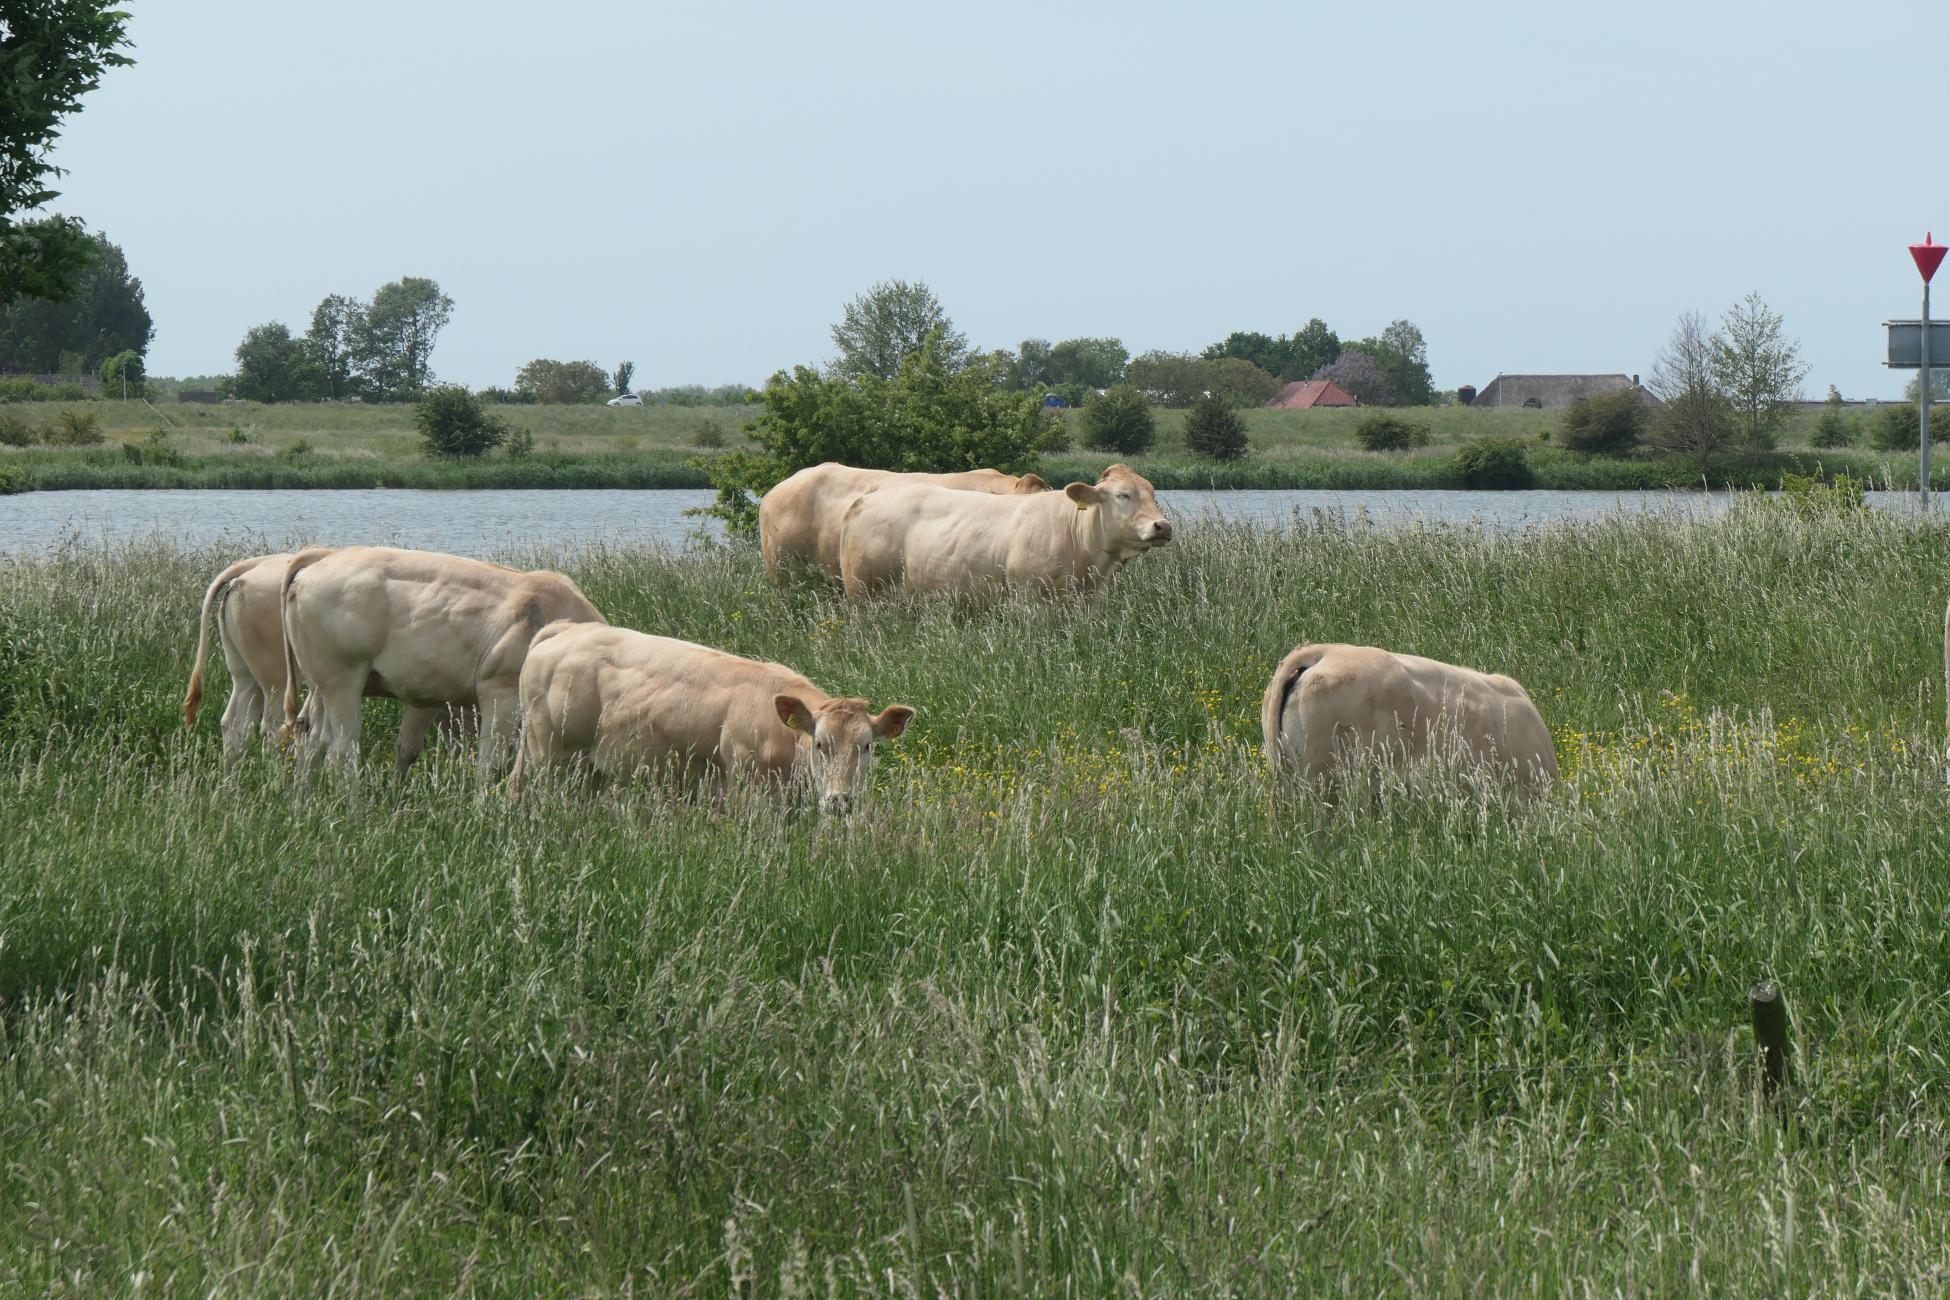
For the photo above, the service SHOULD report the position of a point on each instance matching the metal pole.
(1924, 394)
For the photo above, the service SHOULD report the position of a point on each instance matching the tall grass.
(1062, 1010)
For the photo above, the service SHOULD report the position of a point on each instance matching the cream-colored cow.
(1332, 704)
(924, 538)
(427, 629)
(634, 703)
(800, 517)
(244, 600)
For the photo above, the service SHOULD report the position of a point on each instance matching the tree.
(1898, 426)
(1360, 374)
(563, 383)
(1403, 360)
(453, 423)
(1939, 382)
(1608, 424)
(1093, 363)
(1832, 427)
(1214, 430)
(274, 367)
(1119, 420)
(1171, 379)
(1239, 382)
(624, 372)
(395, 343)
(1380, 431)
(1029, 367)
(122, 375)
(887, 324)
(337, 325)
(103, 314)
(1696, 418)
(1758, 369)
(935, 414)
(1263, 350)
(1313, 345)
(52, 52)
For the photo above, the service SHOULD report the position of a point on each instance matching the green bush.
(1494, 463)
(237, 434)
(521, 444)
(1380, 431)
(14, 478)
(74, 428)
(709, 436)
(1609, 424)
(1214, 430)
(1055, 434)
(1899, 427)
(1119, 420)
(123, 373)
(453, 423)
(154, 449)
(1833, 429)
(16, 432)
(22, 390)
(933, 415)
(298, 450)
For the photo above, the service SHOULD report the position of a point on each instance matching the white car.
(625, 399)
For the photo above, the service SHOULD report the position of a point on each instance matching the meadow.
(1062, 1010)
(353, 445)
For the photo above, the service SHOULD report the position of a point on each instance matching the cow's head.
(841, 735)
(1132, 521)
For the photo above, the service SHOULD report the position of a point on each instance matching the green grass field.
(249, 445)
(1062, 1011)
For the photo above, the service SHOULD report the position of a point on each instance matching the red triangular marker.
(1928, 255)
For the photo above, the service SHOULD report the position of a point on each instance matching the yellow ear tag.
(1083, 505)
(792, 723)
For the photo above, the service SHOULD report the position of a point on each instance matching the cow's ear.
(1030, 483)
(793, 712)
(892, 721)
(1084, 494)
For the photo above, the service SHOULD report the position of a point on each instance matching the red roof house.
(1308, 393)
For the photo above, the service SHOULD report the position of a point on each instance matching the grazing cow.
(925, 538)
(800, 517)
(427, 629)
(1328, 704)
(244, 598)
(636, 703)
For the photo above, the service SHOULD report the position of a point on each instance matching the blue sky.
(700, 188)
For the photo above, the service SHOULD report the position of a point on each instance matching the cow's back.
(804, 514)
(930, 538)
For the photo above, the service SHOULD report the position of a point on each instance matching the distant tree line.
(102, 316)
(377, 351)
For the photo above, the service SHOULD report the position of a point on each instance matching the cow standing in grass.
(800, 518)
(242, 601)
(920, 538)
(1331, 705)
(632, 703)
(427, 629)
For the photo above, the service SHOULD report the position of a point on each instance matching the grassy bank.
(1061, 1003)
(354, 445)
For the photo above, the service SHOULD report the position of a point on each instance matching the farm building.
(1308, 393)
(1549, 392)
(1555, 390)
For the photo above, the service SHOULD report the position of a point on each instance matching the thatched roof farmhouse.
(1550, 392)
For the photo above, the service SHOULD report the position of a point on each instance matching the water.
(496, 522)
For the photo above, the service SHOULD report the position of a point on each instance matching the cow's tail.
(1272, 708)
(193, 698)
(301, 561)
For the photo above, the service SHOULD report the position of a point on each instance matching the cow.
(1330, 705)
(800, 517)
(925, 538)
(244, 600)
(634, 703)
(427, 629)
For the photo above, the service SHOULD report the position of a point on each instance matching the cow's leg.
(336, 720)
(413, 727)
(500, 714)
(241, 716)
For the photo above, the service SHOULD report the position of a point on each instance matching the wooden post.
(1770, 1016)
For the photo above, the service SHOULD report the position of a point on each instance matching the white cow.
(924, 538)
(427, 629)
(244, 599)
(800, 517)
(1328, 705)
(633, 703)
